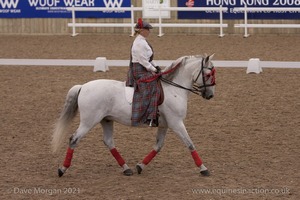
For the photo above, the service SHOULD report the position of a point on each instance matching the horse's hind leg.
(160, 138)
(108, 140)
(74, 140)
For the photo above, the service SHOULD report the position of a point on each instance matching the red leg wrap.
(196, 158)
(68, 158)
(149, 157)
(117, 156)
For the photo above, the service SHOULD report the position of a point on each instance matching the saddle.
(129, 92)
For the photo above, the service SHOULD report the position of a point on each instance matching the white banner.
(150, 9)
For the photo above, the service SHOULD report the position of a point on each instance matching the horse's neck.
(185, 73)
(184, 76)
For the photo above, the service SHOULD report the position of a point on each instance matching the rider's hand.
(158, 70)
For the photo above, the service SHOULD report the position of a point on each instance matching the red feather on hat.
(140, 23)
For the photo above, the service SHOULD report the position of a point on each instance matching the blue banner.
(230, 14)
(57, 8)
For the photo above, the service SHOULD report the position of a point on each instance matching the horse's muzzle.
(207, 96)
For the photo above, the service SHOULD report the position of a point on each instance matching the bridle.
(197, 89)
(205, 77)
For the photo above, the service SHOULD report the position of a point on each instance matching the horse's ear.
(206, 57)
(211, 56)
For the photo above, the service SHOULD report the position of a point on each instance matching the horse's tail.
(68, 113)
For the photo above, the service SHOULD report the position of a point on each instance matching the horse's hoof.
(205, 173)
(139, 169)
(60, 172)
(128, 172)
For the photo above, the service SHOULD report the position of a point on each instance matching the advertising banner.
(230, 14)
(57, 8)
(150, 9)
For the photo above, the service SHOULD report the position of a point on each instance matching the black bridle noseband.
(196, 88)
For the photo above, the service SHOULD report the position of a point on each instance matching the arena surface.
(248, 135)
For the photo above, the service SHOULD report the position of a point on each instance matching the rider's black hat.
(142, 25)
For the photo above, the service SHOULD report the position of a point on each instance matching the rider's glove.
(158, 70)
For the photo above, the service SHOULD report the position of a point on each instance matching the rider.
(146, 94)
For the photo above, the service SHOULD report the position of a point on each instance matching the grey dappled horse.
(103, 101)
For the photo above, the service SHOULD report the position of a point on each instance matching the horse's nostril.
(210, 96)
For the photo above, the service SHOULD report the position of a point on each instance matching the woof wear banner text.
(57, 8)
(230, 14)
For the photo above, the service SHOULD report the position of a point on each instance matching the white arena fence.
(246, 25)
(160, 24)
(132, 9)
(101, 64)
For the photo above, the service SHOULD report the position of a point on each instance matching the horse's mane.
(180, 61)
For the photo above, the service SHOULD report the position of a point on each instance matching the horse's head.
(204, 78)
(197, 71)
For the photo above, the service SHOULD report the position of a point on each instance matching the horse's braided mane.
(180, 61)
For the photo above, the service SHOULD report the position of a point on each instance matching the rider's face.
(145, 32)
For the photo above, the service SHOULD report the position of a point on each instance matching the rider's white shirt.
(141, 53)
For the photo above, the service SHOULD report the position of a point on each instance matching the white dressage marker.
(254, 66)
(100, 65)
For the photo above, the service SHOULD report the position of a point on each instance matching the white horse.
(103, 101)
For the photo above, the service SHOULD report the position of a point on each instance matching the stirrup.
(153, 123)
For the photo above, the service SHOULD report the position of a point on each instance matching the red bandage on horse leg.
(196, 158)
(68, 159)
(149, 157)
(117, 156)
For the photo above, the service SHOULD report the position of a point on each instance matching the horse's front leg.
(109, 142)
(160, 138)
(180, 130)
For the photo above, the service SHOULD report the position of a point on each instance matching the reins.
(196, 88)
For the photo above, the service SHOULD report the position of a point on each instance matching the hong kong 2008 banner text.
(231, 14)
(57, 8)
